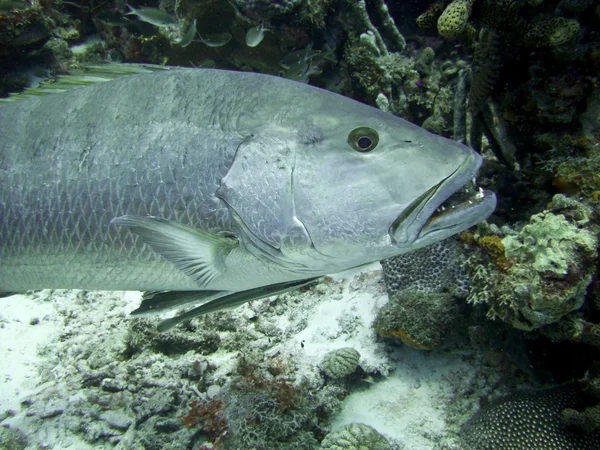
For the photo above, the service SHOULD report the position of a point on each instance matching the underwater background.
(489, 340)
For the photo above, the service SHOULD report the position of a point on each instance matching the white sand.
(409, 403)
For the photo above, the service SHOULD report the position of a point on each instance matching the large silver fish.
(217, 186)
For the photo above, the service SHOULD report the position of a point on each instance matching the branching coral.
(377, 60)
(388, 24)
(210, 417)
(488, 27)
(261, 409)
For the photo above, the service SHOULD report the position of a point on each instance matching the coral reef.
(494, 247)
(418, 319)
(423, 287)
(340, 362)
(574, 163)
(551, 32)
(499, 36)
(131, 386)
(519, 78)
(551, 244)
(262, 409)
(529, 420)
(210, 416)
(574, 328)
(20, 28)
(588, 418)
(485, 72)
(436, 268)
(543, 274)
(453, 21)
(268, 8)
(12, 439)
(384, 70)
(143, 335)
(355, 436)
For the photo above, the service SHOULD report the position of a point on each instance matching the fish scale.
(93, 193)
(234, 184)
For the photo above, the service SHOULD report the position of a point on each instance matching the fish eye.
(363, 139)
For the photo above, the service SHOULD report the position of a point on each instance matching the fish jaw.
(433, 216)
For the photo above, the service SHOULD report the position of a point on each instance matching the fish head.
(321, 182)
(368, 185)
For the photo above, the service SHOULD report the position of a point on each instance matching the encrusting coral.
(423, 287)
(418, 319)
(550, 262)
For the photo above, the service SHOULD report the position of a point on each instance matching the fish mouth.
(451, 206)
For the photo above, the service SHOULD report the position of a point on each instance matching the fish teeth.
(474, 193)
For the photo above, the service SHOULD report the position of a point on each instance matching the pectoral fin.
(199, 254)
(233, 300)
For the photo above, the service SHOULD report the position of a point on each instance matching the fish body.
(188, 35)
(255, 35)
(153, 16)
(111, 18)
(215, 40)
(298, 57)
(300, 65)
(210, 180)
(10, 5)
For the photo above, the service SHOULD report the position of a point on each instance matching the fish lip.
(423, 221)
(459, 218)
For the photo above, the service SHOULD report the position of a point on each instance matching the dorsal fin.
(83, 77)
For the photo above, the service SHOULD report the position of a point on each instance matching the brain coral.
(340, 362)
(531, 421)
(437, 268)
(355, 436)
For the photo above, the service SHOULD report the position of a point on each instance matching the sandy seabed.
(65, 384)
